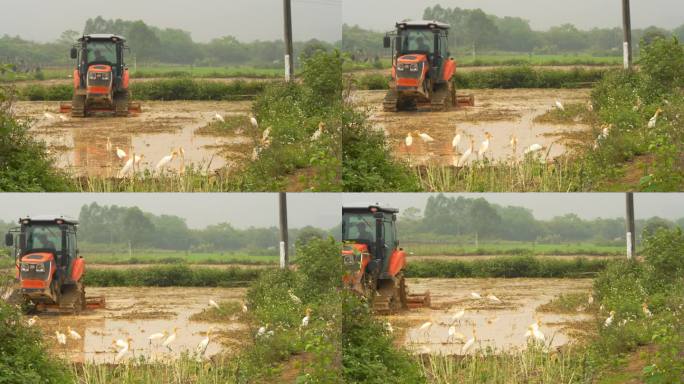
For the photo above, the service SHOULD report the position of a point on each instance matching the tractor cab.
(422, 69)
(49, 268)
(101, 78)
(373, 261)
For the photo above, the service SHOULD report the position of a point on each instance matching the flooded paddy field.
(137, 313)
(88, 146)
(502, 113)
(496, 325)
(484, 257)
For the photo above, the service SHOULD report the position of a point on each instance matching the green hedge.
(528, 77)
(514, 266)
(165, 89)
(171, 276)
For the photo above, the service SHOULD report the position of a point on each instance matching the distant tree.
(654, 224)
(650, 34)
(411, 214)
(144, 43)
(137, 228)
(307, 234)
(679, 32)
(68, 37)
(481, 31)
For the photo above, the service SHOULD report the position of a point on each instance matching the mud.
(500, 326)
(80, 145)
(140, 312)
(503, 113)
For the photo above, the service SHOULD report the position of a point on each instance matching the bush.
(171, 276)
(23, 356)
(662, 63)
(528, 77)
(24, 163)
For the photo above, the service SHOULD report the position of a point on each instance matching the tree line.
(118, 225)
(475, 30)
(150, 44)
(450, 218)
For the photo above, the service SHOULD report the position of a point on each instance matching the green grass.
(224, 313)
(171, 276)
(507, 267)
(177, 257)
(511, 248)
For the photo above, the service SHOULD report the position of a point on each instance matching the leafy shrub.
(527, 77)
(662, 63)
(171, 276)
(23, 356)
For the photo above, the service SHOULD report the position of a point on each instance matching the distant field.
(162, 71)
(178, 258)
(512, 248)
(467, 60)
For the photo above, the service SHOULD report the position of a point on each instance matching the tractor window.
(417, 41)
(44, 237)
(389, 236)
(359, 227)
(101, 52)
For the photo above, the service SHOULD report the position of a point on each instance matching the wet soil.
(503, 113)
(500, 326)
(87, 146)
(139, 312)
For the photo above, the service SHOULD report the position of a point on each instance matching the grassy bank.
(507, 267)
(165, 89)
(504, 78)
(511, 248)
(177, 258)
(170, 276)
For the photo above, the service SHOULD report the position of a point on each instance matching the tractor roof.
(103, 36)
(48, 219)
(421, 24)
(369, 208)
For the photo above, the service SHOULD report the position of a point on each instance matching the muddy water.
(140, 312)
(502, 113)
(501, 326)
(81, 144)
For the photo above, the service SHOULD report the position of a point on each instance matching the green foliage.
(372, 82)
(664, 251)
(528, 77)
(23, 356)
(368, 351)
(507, 267)
(171, 276)
(662, 63)
(24, 164)
(367, 161)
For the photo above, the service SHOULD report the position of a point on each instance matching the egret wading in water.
(484, 146)
(157, 336)
(120, 153)
(61, 338)
(464, 158)
(166, 160)
(408, 140)
(534, 148)
(456, 141)
(73, 334)
(169, 340)
(201, 348)
(559, 105)
(212, 303)
(425, 137)
(219, 118)
(469, 344)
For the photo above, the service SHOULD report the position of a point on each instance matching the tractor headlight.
(40, 267)
(413, 67)
(105, 76)
(24, 267)
(92, 76)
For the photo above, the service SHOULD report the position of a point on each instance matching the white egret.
(647, 312)
(61, 338)
(214, 304)
(201, 348)
(388, 327)
(73, 334)
(409, 140)
(244, 308)
(305, 320)
(493, 298)
(533, 148)
(484, 146)
(475, 295)
(219, 117)
(254, 122)
(466, 347)
(559, 105)
(654, 120)
(48, 116)
(124, 349)
(458, 315)
(591, 299)
(120, 343)
(466, 154)
(425, 137)
(261, 331)
(319, 132)
(63, 118)
(157, 336)
(456, 141)
(169, 340)
(609, 320)
(451, 332)
(265, 134)
(166, 160)
(130, 165)
(120, 153)
(32, 321)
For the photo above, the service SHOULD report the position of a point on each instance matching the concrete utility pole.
(284, 257)
(627, 28)
(289, 56)
(629, 224)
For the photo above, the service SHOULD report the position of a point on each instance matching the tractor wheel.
(78, 106)
(121, 100)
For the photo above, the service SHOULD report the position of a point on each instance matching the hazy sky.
(199, 210)
(44, 20)
(548, 205)
(380, 15)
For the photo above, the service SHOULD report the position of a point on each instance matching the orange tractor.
(101, 78)
(422, 71)
(49, 268)
(374, 262)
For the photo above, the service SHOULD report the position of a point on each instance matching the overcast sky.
(241, 210)
(380, 15)
(44, 20)
(548, 205)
